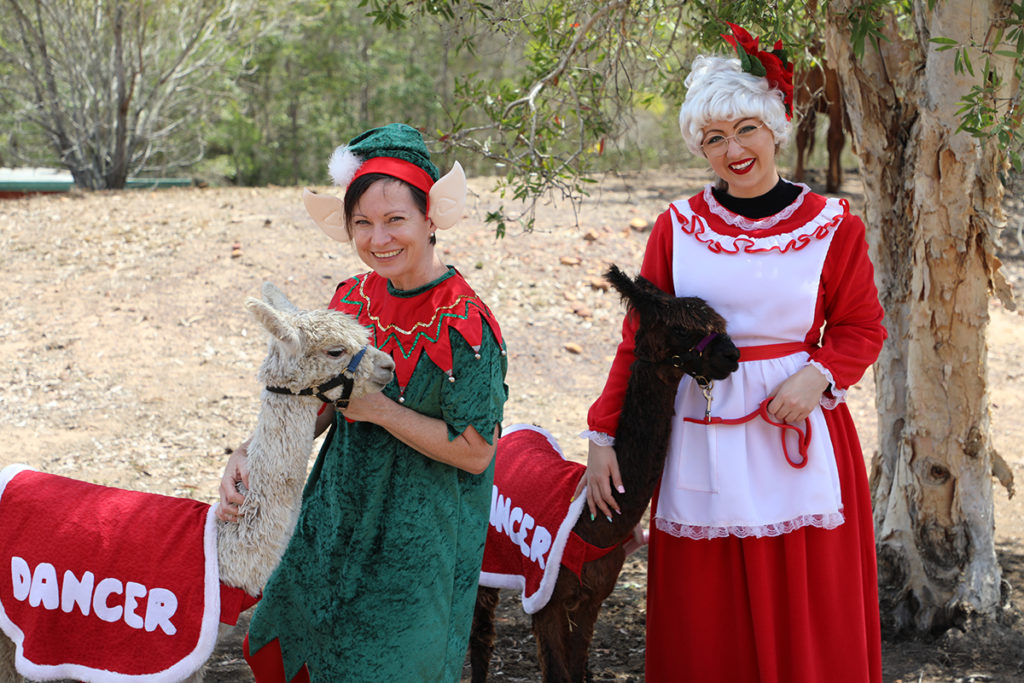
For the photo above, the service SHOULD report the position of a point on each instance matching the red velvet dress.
(740, 586)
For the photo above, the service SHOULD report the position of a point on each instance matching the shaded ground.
(126, 359)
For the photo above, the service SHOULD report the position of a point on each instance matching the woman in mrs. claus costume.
(762, 556)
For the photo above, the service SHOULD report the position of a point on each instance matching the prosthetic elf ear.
(448, 198)
(328, 213)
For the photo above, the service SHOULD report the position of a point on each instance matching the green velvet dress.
(379, 581)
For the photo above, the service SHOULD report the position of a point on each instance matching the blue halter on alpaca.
(345, 379)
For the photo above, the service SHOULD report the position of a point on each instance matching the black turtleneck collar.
(768, 204)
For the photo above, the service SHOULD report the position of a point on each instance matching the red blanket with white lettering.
(103, 584)
(532, 517)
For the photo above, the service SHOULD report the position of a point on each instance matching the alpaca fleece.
(145, 566)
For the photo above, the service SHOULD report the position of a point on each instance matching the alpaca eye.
(335, 353)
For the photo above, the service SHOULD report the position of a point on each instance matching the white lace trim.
(817, 228)
(600, 438)
(744, 223)
(835, 396)
(825, 521)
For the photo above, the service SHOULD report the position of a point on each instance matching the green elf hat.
(396, 150)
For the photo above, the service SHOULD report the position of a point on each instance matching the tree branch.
(566, 58)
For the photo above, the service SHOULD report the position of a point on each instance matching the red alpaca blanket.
(103, 584)
(530, 534)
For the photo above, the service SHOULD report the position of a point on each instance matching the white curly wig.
(717, 89)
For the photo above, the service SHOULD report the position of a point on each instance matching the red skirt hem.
(797, 608)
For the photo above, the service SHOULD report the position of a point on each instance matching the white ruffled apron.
(736, 479)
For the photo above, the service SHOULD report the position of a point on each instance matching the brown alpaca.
(818, 92)
(669, 330)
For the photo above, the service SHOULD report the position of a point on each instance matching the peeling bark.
(932, 212)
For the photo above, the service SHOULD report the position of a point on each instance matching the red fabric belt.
(769, 351)
(234, 601)
(578, 552)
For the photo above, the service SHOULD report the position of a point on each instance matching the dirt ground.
(127, 359)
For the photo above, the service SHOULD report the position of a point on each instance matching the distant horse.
(817, 92)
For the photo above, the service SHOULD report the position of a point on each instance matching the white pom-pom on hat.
(343, 165)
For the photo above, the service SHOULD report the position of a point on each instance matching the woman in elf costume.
(762, 553)
(379, 581)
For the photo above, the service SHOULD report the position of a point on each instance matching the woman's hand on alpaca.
(798, 395)
(235, 472)
(601, 475)
(367, 408)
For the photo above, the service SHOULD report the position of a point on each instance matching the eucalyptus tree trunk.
(932, 209)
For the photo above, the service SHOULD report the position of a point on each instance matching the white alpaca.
(312, 355)
(306, 350)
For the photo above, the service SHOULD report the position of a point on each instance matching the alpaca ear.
(276, 298)
(328, 213)
(274, 323)
(448, 198)
(630, 290)
(626, 288)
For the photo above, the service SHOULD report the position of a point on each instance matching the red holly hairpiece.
(770, 65)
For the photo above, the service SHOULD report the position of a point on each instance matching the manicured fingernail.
(608, 517)
(573, 499)
(618, 512)
(620, 488)
(592, 518)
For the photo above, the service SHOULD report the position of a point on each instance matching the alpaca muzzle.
(346, 380)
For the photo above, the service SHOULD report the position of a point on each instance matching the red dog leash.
(803, 437)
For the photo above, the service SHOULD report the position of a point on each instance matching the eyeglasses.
(717, 144)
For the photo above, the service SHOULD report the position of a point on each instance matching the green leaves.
(750, 64)
(991, 110)
(543, 121)
(868, 22)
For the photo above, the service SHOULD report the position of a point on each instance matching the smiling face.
(742, 153)
(392, 235)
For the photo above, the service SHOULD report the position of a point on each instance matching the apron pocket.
(698, 466)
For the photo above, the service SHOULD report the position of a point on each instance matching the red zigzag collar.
(406, 325)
